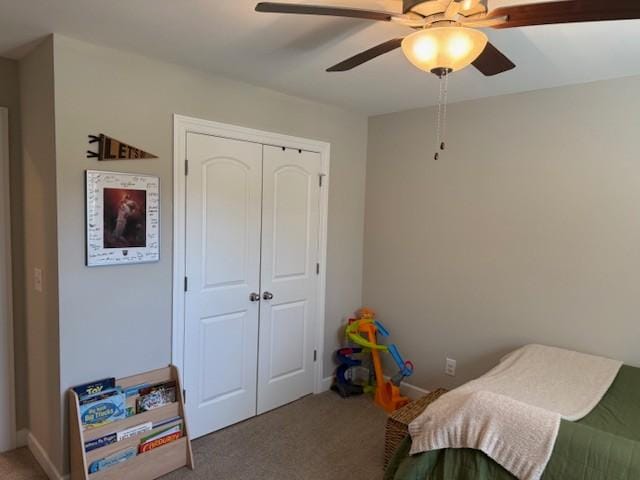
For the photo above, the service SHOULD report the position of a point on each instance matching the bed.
(604, 445)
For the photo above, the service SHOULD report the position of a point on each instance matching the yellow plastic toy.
(363, 331)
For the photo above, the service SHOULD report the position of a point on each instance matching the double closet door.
(252, 234)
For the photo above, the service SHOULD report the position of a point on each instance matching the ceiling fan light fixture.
(444, 49)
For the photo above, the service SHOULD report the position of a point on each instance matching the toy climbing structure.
(363, 331)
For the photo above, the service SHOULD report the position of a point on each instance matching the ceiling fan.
(447, 36)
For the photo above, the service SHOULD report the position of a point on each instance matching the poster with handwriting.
(123, 218)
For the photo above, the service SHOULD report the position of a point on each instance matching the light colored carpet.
(20, 465)
(319, 437)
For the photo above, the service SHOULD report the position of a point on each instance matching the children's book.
(164, 437)
(113, 460)
(100, 396)
(132, 394)
(162, 423)
(121, 435)
(133, 431)
(135, 390)
(156, 396)
(101, 409)
(100, 442)
(95, 387)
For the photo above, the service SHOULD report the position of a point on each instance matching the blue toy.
(344, 386)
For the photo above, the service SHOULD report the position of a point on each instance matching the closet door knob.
(254, 297)
(267, 296)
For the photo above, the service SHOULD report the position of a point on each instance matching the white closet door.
(223, 270)
(289, 281)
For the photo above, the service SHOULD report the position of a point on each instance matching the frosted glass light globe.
(449, 48)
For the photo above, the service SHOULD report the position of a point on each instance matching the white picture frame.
(122, 218)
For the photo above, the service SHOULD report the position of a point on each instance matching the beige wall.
(526, 230)
(10, 98)
(117, 320)
(40, 243)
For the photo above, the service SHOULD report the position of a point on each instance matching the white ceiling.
(290, 53)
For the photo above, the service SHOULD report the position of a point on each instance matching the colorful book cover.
(100, 396)
(100, 442)
(103, 410)
(160, 433)
(135, 390)
(156, 396)
(166, 422)
(113, 460)
(133, 431)
(160, 439)
(95, 387)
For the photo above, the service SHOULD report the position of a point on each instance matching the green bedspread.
(605, 445)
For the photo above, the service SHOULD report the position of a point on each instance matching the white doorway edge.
(8, 438)
(183, 125)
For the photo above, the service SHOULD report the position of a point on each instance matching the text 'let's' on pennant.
(112, 149)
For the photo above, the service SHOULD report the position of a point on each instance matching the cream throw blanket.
(513, 413)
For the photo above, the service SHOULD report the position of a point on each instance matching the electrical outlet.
(37, 279)
(450, 367)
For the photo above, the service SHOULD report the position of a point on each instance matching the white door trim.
(183, 125)
(7, 438)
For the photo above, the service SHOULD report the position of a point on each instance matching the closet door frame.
(8, 433)
(182, 125)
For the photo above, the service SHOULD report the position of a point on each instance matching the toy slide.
(363, 332)
(405, 368)
(353, 333)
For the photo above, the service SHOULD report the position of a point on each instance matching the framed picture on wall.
(123, 218)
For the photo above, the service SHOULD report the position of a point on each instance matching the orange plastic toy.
(363, 331)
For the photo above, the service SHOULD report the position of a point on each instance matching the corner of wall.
(37, 105)
(43, 459)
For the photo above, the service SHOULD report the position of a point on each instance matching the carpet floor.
(322, 437)
(20, 465)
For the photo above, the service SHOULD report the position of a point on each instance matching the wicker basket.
(398, 422)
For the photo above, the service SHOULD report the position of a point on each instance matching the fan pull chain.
(437, 155)
(445, 103)
(441, 129)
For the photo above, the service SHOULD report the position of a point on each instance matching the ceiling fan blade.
(567, 11)
(367, 55)
(492, 61)
(452, 10)
(407, 5)
(271, 7)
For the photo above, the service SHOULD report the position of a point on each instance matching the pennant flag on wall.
(112, 149)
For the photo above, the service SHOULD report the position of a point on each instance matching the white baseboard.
(326, 383)
(21, 438)
(409, 390)
(43, 459)
(412, 391)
